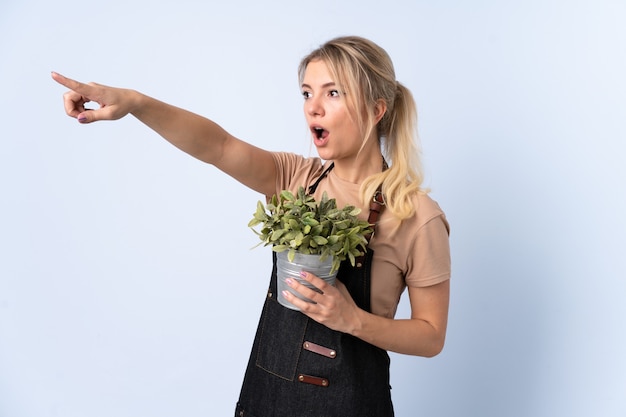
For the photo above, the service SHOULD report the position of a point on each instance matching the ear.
(379, 110)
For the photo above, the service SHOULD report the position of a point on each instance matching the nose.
(313, 106)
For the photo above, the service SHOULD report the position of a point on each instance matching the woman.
(331, 358)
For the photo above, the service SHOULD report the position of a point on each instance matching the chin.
(324, 154)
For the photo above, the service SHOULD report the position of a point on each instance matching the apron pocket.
(280, 343)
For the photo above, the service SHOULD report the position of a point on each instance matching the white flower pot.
(301, 262)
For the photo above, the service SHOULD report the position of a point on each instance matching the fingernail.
(289, 281)
(82, 118)
(303, 274)
(285, 293)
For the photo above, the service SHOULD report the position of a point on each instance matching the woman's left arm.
(421, 335)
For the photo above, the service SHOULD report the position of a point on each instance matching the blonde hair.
(365, 72)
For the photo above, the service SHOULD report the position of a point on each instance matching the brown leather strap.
(314, 380)
(320, 350)
(377, 205)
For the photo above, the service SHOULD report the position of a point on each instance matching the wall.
(127, 283)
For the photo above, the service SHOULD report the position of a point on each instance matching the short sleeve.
(429, 258)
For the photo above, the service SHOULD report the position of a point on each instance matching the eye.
(334, 93)
(306, 94)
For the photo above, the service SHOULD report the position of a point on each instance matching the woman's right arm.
(193, 134)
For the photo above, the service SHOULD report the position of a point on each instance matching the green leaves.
(298, 223)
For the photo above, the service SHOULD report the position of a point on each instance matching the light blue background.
(127, 283)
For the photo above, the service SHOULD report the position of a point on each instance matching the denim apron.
(301, 368)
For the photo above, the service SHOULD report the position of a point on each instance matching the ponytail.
(403, 179)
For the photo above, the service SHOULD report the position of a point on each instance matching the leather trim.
(314, 380)
(320, 350)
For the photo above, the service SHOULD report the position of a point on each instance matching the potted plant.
(309, 235)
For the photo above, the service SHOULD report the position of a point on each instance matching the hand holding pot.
(333, 306)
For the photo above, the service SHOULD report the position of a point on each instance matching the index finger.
(73, 85)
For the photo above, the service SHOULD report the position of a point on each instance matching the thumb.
(104, 112)
(89, 116)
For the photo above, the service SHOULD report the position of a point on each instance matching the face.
(334, 130)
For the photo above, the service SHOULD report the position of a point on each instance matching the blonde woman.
(330, 358)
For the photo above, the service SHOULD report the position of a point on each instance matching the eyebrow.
(328, 84)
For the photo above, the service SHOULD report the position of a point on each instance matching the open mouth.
(319, 132)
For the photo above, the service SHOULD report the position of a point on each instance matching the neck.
(356, 169)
